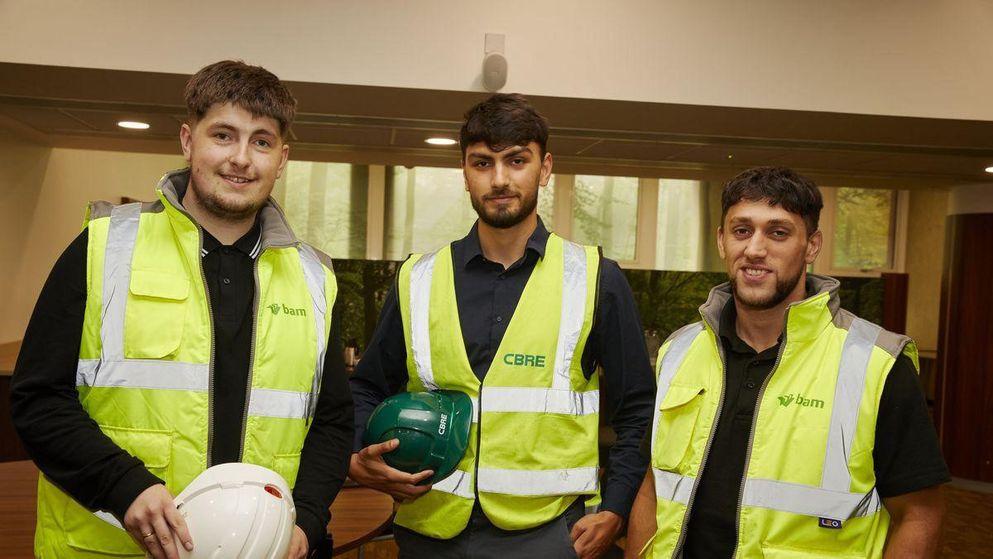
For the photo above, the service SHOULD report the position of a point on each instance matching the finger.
(178, 525)
(378, 449)
(421, 476)
(586, 543)
(165, 538)
(408, 491)
(151, 541)
(578, 528)
(397, 476)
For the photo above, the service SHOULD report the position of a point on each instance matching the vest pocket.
(678, 413)
(155, 314)
(84, 531)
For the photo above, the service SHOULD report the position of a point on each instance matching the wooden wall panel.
(965, 348)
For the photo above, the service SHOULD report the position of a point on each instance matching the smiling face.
(503, 185)
(766, 250)
(235, 159)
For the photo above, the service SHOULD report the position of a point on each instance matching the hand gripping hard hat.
(237, 511)
(433, 428)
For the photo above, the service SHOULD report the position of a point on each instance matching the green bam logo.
(786, 399)
(524, 360)
(276, 307)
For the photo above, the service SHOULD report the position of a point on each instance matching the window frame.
(824, 264)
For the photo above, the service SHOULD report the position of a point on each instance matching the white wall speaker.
(494, 71)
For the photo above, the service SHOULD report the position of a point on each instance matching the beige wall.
(22, 170)
(51, 204)
(914, 58)
(925, 253)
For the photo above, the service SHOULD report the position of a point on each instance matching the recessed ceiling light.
(133, 125)
(989, 169)
(438, 141)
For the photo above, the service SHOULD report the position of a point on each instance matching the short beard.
(505, 219)
(784, 287)
(218, 207)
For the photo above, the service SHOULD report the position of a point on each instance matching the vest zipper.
(751, 436)
(251, 355)
(677, 550)
(479, 445)
(213, 347)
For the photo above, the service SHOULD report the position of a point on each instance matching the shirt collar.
(250, 243)
(472, 249)
(730, 334)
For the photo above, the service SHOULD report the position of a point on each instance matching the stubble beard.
(784, 287)
(221, 208)
(505, 218)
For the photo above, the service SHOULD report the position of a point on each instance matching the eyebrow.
(773, 222)
(229, 126)
(503, 154)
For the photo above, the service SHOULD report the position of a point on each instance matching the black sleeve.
(328, 446)
(617, 343)
(62, 439)
(907, 456)
(382, 371)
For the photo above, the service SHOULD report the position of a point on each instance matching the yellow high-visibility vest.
(809, 483)
(533, 442)
(146, 356)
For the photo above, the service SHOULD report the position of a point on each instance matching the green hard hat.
(433, 428)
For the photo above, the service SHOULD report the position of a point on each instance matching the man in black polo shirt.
(778, 326)
(235, 144)
(505, 162)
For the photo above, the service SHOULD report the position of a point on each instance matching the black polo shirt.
(906, 455)
(487, 295)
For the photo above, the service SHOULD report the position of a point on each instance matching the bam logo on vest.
(276, 307)
(524, 360)
(786, 399)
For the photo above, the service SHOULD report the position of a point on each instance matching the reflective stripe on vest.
(832, 499)
(778, 496)
(538, 483)
(458, 483)
(113, 370)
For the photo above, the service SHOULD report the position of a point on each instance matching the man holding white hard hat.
(184, 333)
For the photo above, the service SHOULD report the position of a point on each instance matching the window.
(325, 204)
(662, 224)
(426, 208)
(605, 213)
(864, 231)
(681, 233)
(863, 225)
(546, 204)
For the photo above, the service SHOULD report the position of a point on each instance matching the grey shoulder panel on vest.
(101, 208)
(890, 342)
(324, 258)
(693, 325)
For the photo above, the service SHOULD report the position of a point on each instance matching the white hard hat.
(237, 511)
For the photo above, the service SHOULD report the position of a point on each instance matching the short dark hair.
(504, 120)
(252, 88)
(779, 186)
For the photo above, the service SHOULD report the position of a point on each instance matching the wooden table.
(357, 515)
(8, 356)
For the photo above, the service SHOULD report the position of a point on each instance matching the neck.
(506, 246)
(225, 230)
(760, 328)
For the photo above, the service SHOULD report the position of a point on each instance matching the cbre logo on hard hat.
(443, 425)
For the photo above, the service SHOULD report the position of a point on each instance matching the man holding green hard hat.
(432, 427)
(518, 323)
